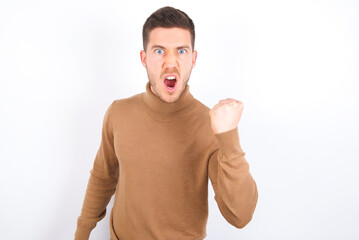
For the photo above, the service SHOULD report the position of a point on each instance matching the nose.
(171, 60)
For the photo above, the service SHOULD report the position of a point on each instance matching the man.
(160, 147)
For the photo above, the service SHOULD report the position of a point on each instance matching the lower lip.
(171, 90)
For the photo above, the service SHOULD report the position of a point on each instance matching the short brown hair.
(167, 17)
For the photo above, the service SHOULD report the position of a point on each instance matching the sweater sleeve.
(102, 182)
(235, 189)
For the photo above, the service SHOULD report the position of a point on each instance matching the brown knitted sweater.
(157, 157)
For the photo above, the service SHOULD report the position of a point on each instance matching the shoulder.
(201, 114)
(126, 102)
(200, 108)
(202, 111)
(121, 107)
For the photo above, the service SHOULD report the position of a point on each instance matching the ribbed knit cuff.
(229, 141)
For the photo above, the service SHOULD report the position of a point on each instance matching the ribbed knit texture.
(157, 158)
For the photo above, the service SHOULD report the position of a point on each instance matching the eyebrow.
(180, 47)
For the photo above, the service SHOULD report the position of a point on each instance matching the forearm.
(235, 189)
(98, 194)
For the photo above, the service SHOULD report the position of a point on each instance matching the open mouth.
(170, 83)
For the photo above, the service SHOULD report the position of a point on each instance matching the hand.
(225, 115)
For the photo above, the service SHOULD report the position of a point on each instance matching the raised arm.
(235, 189)
(102, 182)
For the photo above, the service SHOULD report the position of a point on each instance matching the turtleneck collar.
(157, 106)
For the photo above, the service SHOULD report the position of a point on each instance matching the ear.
(143, 58)
(194, 58)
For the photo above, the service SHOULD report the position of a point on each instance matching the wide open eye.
(159, 51)
(182, 51)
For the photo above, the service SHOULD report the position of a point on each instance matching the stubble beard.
(153, 87)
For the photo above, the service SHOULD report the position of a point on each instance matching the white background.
(294, 64)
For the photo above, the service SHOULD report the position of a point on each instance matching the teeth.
(170, 78)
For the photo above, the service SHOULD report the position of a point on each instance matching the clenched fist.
(225, 115)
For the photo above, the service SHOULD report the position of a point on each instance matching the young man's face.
(169, 59)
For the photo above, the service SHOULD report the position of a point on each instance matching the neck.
(159, 107)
